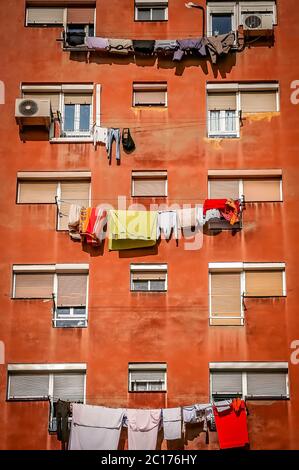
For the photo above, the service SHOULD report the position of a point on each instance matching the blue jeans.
(113, 134)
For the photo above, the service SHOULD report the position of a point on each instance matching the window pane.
(143, 14)
(157, 285)
(140, 285)
(230, 121)
(69, 117)
(84, 117)
(76, 28)
(155, 386)
(140, 386)
(158, 14)
(214, 121)
(71, 323)
(79, 311)
(221, 24)
(63, 312)
(91, 30)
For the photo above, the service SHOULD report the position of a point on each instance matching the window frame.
(237, 88)
(76, 132)
(58, 180)
(242, 268)
(134, 177)
(217, 7)
(151, 5)
(147, 367)
(64, 24)
(150, 106)
(47, 369)
(146, 268)
(56, 270)
(241, 179)
(248, 367)
(93, 90)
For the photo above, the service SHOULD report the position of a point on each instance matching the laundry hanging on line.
(214, 46)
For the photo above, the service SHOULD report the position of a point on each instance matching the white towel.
(143, 428)
(172, 423)
(95, 427)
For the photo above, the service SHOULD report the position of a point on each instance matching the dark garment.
(194, 45)
(143, 47)
(63, 412)
(127, 140)
(218, 45)
(75, 39)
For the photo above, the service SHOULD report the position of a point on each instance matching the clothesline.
(71, 201)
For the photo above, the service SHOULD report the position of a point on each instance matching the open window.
(61, 188)
(231, 283)
(78, 20)
(65, 285)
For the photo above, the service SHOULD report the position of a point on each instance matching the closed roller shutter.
(80, 15)
(264, 283)
(225, 298)
(226, 383)
(262, 190)
(222, 101)
(148, 275)
(221, 189)
(45, 16)
(72, 290)
(37, 192)
(28, 386)
(69, 387)
(258, 101)
(77, 98)
(266, 384)
(33, 286)
(149, 184)
(149, 93)
(72, 192)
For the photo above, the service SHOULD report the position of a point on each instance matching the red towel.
(232, 426)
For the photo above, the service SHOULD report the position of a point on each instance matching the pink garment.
(143, 428)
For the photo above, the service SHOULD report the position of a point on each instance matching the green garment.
(132, 229)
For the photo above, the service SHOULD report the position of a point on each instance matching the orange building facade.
(196, 146)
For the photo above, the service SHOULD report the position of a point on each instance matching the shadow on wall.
(222, 68)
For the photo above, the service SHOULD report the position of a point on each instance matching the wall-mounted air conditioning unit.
(255, 21)
(33, 112)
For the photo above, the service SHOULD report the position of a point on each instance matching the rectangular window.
(67, 289)
(71, 106)
(255, 189)
(227, 102)
(147, 377)
(151, 10)
(60, 16)
(230, 283)
(52, 187)
(223, 17)
(149, 277)
(149, 183)
(249, 380)
(77, 114)
(150, 94)
(44, 16)
(226, 301)
(221, 23)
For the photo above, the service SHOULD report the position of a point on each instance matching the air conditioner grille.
(28, 107)
(253, 21)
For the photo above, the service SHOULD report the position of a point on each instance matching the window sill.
(64, 140)
(223, 136)
(147, 391)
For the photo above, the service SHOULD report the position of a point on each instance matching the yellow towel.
(132, 229)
